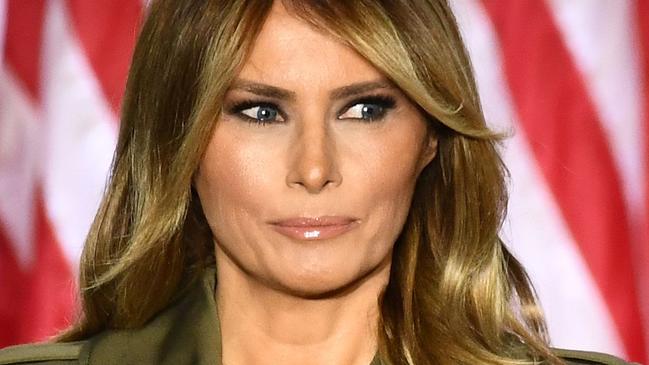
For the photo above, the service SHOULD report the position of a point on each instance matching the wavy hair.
(456, 295)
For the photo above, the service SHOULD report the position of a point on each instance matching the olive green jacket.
(185, 333)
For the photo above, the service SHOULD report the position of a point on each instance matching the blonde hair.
(455, 296)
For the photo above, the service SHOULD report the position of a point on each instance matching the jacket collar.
(188, 332)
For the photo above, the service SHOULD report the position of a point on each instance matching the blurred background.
(568, 80)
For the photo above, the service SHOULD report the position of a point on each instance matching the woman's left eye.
(256, 112)
(368, 109)
(263, 113)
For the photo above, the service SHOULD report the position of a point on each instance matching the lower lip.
(314, 233)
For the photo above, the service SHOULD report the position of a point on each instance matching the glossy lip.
(317, 228)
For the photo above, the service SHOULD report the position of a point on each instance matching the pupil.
(369, 111)
(266, 114)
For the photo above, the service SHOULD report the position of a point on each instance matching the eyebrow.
(284, 94)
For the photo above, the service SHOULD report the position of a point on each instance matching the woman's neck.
(261, 325)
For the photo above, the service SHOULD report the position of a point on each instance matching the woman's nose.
(313, 159)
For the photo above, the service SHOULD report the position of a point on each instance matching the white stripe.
(575, 311)
(602, 38)
(81, 134)
(20, 139)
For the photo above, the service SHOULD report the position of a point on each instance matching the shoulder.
(575, 357)
(43, 353)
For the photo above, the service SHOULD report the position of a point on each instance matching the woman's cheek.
(388, 164)
(228, 176)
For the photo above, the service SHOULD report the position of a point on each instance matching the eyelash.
(385, 102)
(237, 108)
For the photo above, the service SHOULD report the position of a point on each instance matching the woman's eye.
(370, 109)
(263, 113)
(256, 112)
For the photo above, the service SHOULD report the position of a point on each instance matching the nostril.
(315, 179)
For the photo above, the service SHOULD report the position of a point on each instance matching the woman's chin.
(320, 284)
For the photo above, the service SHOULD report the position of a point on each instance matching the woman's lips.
(319, 228)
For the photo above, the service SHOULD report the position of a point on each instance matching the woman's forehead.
(295, 55)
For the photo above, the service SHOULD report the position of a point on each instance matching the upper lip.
(314, 221)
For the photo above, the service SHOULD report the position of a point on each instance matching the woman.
(302, 183)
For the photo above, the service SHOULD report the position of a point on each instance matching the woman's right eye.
(262, 113)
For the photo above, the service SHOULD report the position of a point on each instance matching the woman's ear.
(429, 150)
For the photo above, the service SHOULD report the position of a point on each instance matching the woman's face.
(311, 134)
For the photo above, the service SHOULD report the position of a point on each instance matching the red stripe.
(37, 301)
(566, 137)
(23, 42)
(49, 304)
(643, 22)
(107, 31)
(10, 275)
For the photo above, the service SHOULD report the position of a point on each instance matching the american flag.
(568, 79)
